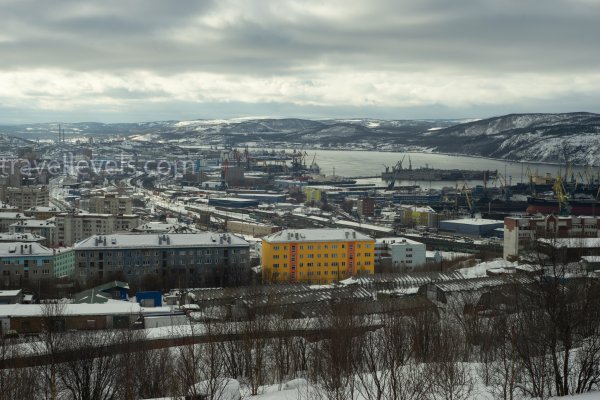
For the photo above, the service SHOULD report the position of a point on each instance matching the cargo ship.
(433, 174)
(587, 207)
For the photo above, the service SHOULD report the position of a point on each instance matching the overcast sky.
(143, 60)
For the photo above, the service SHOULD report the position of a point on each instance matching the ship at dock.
(588, 207)
(398, 173)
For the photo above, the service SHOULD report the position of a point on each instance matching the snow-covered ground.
(480, 270)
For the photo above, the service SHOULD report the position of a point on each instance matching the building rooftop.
(315, 235)
(572, 243)
(164, 227)
(474, 221)
(371, 227)
(82, 214)
(421, 209)
(160, 240)
(10, 293)
(7, 207)
(13, 215)
(35, 223)
(37, 310)
(17, 249)
(20, 237)
(396, 240)
(42, 209)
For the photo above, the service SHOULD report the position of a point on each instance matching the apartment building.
(9, 218)
(185, 259)
(403, 254)
(109, 204)
(419, 216)
(521, 232)
(44, 228)
(25, 197)
(24, 262)
(73, 227)
(318, 256)
(42, 212)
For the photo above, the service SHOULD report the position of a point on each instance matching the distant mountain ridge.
(558, 137)
(564, 137)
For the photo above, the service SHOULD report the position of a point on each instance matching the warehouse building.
(477, 227)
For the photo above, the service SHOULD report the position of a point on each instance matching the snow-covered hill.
(562, 137)
(567, 137)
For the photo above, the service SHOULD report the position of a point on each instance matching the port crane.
(561, 196)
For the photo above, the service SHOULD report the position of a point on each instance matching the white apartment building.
(405, 254)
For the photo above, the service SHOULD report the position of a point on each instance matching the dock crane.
(465, 190)
(561, 196)
(224, 174)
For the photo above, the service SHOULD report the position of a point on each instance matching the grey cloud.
(483, 39)
(481, 35)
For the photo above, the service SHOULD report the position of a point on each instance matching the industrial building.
(476, 227)
(521, 232)
(319, 256)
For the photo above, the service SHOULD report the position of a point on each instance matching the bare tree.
(15, 383)
(51, 345)
(334, 360)
(453, 378)
(92, 373)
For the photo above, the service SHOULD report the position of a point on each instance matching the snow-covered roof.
(572, 243)
(37, 310)
(10, 293)
(482, 283)
(371, 227)
(35, 223)
(160, 240)
(397, 240)
(315, 235)
(42, 209)
(18, 249)
(474, 221)
(20, 237)
(13, 215)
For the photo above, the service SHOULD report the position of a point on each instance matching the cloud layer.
(123, 61)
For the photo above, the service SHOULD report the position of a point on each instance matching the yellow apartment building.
(316, 256)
